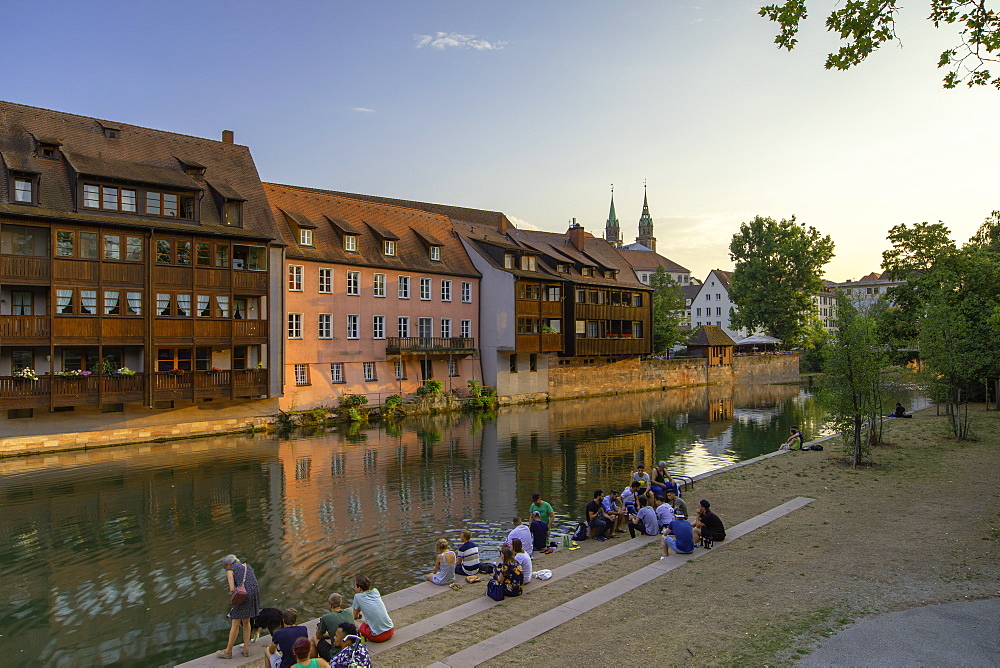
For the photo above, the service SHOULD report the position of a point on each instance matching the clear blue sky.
(534, 109)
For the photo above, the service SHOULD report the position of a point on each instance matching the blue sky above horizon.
(535, 109)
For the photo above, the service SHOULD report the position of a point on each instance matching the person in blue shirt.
(644, 520)
(682, 539)
(613, 507)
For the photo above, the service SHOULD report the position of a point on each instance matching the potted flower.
(215, 368)
(175, 370)
(75, 373)
(125, 371)
(26, 373)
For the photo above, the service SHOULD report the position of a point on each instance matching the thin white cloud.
(444, 40)
(363, 110)
(523, 224)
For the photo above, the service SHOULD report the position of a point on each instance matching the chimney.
(576, 233)
(502, 227)
(227, 136)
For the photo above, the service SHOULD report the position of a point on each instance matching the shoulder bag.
(240, 593)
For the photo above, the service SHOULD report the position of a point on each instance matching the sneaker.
(662, 558)
(600, 538)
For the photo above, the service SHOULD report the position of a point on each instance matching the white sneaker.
(662, 558)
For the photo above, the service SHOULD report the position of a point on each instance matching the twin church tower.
(613, 230)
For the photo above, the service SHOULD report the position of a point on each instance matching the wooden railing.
(249, 280)
(23, 326)
(25, 269)
(416, 344)
(211, 278)
(86, 271)
(249, 329)
(123, 272)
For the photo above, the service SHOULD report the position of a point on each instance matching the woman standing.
(444, 565)
(240, 614)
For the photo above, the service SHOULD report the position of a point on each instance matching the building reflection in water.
(112, 556)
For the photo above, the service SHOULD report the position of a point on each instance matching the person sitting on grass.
(279, 653)
(597, 519)
(707, 524)
(676, 502)
(678, 536)
(795, 442)
(612, 504)
(444, 564)
(899, 412)
(328, 624)
(377, 626)
(629, 497)
(520, 531)
(661, 480)
(467, 563)
(640, 476)
(522, 559)
(351, 651)
(509, 573)
(664, 513)
(644, 521)
(539, 533)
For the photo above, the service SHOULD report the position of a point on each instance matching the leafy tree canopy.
(668, 311)
(865, 25)
(778, 266)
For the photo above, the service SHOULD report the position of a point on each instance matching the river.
(111, 556)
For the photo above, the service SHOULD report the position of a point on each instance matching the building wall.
(763, 369)
(496, 314)
(526, 384)
(714, 296)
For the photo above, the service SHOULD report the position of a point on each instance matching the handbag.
(240, 593)
(494, 590)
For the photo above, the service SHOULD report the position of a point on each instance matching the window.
(203, 306)
(21, 303)
(112, 302)
(337, 372)
(76, 244)
(378, 287)
(610, 274)
(404, 287)
(708, 297)
(164, 251)
(533, 362)
(369, 369)
(466, 292)
(403, 326)
(183, 252)
(425, 327)
(22, 359)
(718, 310)
(351, 243)
(399, 370)
(465, 329)
(452, 367)
(352, 326)
(637, 300)
(222, 308)
(203, 254)
(388, 248)
(593, 329)
(301, 374)
(637, 330)
(718, 297)
(445, 328)
(171, 359)
(70, 301)
(133, 303)
(512, 362)
(378, 327)
(252, 258)
(581, 329)
(528, 263)
(325, 326)
(425, 288)
(586, 271)
(22, 240)
(24, 190)
(552, 293)
(326, 281)
(531, 291)
(445, 291)
(305, 237)
(354, 283)
(295, 277)
(295, 325)
(528, 325)
(698, 312)
(562, 268)
(162, 204)
(435, 253)
(221, 256)
(581, 296)
(109, 198)
(508, 260)
(232, 213)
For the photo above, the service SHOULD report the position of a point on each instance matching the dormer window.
(508, 260)
(389, 248)
(351, 243)
(25, 189)
(110, 198)
(111, 132)
(528, 263)
(562, 268)
(435, 253)
(305, 237)
(232, 213)
(587, 271)
(48, 148)
(610, 274)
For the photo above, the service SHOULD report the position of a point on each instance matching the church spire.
(612, 230)
(646, 237)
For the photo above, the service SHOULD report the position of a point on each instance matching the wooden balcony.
(23, 329)
(250, 281)
(76, 271)
(539, 343)
(25, 270)
(250, 329)
(224, 384)
(423, 345)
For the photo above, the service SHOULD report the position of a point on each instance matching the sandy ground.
(921, 527)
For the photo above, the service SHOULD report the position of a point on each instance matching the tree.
(854, 364)
(778, 265)
(668, 311)
(865, 25)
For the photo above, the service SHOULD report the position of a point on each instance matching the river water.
(111, 557)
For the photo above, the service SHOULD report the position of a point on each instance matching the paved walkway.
(954, 634)
(536, 626)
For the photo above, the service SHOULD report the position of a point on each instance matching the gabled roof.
(597, 252)
(650, 260)
(725, 277)
(710, 335)
(372, 222)
(139, 155)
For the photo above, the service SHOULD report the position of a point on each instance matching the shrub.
(433, 386)
(392, 402)
(353, 400)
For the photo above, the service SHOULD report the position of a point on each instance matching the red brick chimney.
(503, 224)
(576, 235)
(227, 137)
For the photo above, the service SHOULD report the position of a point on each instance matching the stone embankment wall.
(643, 375)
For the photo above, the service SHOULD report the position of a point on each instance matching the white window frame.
(425, 289)
(403, 326)
(435, 253)
(294, 325)
(353, 326)
(452, 367)
(403, 287)
(336, 372)
(326, 281)
(466, 329)
(295, 277)
(354, 283)
(325, 326)
(389, 248)
(429, 322)
(466, 292)
(445, 290)
(351, 243)
(305, 237)
(301, 375)
(378, 285)
(378, 327)
(445, 328)
(399, 370)
(369, 372)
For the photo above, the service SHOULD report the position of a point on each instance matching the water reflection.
(111, 556)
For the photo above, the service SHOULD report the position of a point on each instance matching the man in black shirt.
(708, 525)
(597, 519)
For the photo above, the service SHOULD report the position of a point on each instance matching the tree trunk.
(857, 441)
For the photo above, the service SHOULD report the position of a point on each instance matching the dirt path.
(920, 528)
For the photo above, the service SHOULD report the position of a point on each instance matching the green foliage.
(485, 400)
(475, 388)
(317, 414)
(865, 25)
(814, 340)
(392, 402)
(668, 312)
(353, 400)
(778, 269)
(430, 386)
(855, 383)
(356, 415)
(104, 367)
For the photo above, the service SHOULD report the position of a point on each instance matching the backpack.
(581, 531)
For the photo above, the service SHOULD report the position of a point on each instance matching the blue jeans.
(672, 544)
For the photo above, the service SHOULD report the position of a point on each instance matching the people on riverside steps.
(302, 649)
(664, 513)
(539, 533)
(629, 496)
(280, 653)
(676, 502)
(351, 651)
(240, 614)
(707, 525)
(598, 519)
(520, 531)
(796, 441)
(678, 536)
(444, 564)
(644, 520)
(329, 622)
(614, 508)
(468, 558)
(368, 605)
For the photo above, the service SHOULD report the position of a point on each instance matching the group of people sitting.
(651, 506)
(337, 641)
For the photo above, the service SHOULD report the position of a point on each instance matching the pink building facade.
(378, 299)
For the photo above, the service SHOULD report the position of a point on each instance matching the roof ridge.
(331, 193)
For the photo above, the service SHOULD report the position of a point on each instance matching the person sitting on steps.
(597, 519)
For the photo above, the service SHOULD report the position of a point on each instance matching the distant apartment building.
(825, 306)
(379, 298)
(135, 273)
(868, 290)
(712, 305)
(690, 292)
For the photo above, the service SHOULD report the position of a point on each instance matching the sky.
(535, 109)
